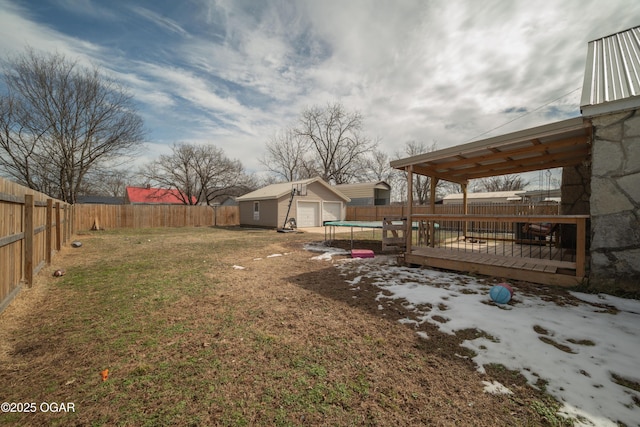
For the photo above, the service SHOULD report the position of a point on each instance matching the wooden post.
(48, 236)
(465, 207)
(72, 219)
(58, 229)
(581, 225)
(432, 196)
(28, 239)
(409, 232)
(67, 222)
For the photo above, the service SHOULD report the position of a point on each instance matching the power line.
(525, 114)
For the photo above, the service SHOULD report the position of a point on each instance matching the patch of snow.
(239, 267)
(273, 255)
(327, 251)
(355, 281)
(598, 344)
(494, 387)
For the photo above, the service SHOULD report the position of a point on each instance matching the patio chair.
(542, 231)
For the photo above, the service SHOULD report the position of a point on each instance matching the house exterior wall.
(268, 213)
(381, 197)
(283, 204)
(362, 195)
(615, 203)
(361, 201)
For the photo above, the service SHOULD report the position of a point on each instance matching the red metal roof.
(149, 195)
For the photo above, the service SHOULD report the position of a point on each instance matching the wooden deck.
(532, 263)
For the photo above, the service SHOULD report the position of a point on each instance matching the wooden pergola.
(559, 144)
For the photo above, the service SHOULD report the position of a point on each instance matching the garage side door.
(331, 211)
(308, 214)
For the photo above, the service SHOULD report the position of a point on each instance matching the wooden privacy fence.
(88, 216)
(378, 213)
(32, 228)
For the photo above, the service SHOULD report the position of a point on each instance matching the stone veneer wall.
(615, 203)
(576, 190)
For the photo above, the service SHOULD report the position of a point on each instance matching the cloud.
(233, 72)
(18, 31)
(87, 8)
(160, 21)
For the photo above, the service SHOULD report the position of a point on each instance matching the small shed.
(375, 193)
(314, 203)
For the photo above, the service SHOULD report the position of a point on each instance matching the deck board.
(521, 268)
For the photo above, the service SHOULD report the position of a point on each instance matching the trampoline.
(330, 227)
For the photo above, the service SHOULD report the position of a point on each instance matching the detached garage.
(314, 203)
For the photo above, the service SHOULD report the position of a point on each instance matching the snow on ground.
(599, 336)
(326, 251)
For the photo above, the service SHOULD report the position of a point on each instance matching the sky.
(601, 331)
(234, 72)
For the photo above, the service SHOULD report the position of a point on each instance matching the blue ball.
(500, 294)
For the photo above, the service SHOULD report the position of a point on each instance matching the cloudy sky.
(232, 72)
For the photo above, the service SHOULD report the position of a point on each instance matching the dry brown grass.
(189, 340)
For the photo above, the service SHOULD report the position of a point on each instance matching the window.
(256, 211)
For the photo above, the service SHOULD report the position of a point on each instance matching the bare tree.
(421, 183)
(285, 156)
(59, 120)
(112, 182)
(201, 173)
(501, 183)
(336, 139)
(376, 167)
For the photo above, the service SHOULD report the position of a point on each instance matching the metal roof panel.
(612, 74)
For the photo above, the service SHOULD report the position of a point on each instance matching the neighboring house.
(367, 193)
(154, 196)
(100, 200)
(542, 196)
(486, 197)
(229, 201)
(316, 203)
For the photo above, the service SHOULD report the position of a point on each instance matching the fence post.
(28, 239)
(72, 223)
(48, 242)
(66, 223)
(58, 230)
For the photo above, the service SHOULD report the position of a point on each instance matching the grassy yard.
(189, 339)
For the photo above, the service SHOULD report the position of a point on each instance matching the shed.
(314, 203)
(375, 193)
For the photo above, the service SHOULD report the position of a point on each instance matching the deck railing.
(561, 238)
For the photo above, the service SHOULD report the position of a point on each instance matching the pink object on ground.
(361, 253)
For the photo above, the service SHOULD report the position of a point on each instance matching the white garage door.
(308, 214)
(331, 211)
